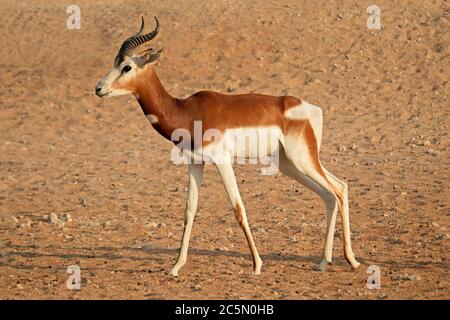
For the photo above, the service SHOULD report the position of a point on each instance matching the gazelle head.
(131, 60)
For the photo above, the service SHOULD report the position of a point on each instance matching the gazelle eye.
(126, 69)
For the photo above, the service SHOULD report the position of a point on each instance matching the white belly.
(236, 145)
(252, 142)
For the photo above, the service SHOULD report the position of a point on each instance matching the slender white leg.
(298, 152)
(342, 189)
(195, 181)
(229, 181)
(289, 169)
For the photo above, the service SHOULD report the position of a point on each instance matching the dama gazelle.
(297, 126)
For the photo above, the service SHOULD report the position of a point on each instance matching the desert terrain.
(87, 181)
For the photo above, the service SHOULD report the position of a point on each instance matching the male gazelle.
(296, 125)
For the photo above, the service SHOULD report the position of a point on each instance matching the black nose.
(98, 89)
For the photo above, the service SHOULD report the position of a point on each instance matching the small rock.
(152, 224)
(19, 286)
(68, 218)
(25, 224)
(341, 149)
(105, 224)
(434, 225)
(53, 218)
(405, 277)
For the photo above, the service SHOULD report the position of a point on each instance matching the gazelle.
(296, 124)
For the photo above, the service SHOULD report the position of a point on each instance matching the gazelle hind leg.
(288, 168)
(341, 190)
(229, 181)
(302, 152)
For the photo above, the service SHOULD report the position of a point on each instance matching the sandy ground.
(385, 98)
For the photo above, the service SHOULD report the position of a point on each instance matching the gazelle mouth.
(104, 94)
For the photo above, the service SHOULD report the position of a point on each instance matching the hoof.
(256, 272)
(351, 259)
(322, 266)
(174, 272)
(257, 268)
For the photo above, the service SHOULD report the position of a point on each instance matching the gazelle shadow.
(113, 253)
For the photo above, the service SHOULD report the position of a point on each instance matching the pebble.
(405, 277)
(53, 218)
(26, 224)
(434, 225)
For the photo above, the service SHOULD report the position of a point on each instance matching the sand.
(64, 151)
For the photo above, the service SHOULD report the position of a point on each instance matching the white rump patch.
(307, 111)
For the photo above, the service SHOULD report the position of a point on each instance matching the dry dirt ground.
(385, 98)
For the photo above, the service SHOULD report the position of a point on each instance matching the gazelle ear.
(152, 56)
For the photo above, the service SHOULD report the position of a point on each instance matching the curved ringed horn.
(129, 45)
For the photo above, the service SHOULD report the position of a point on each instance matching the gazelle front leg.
(195, 181)
(229, 181)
